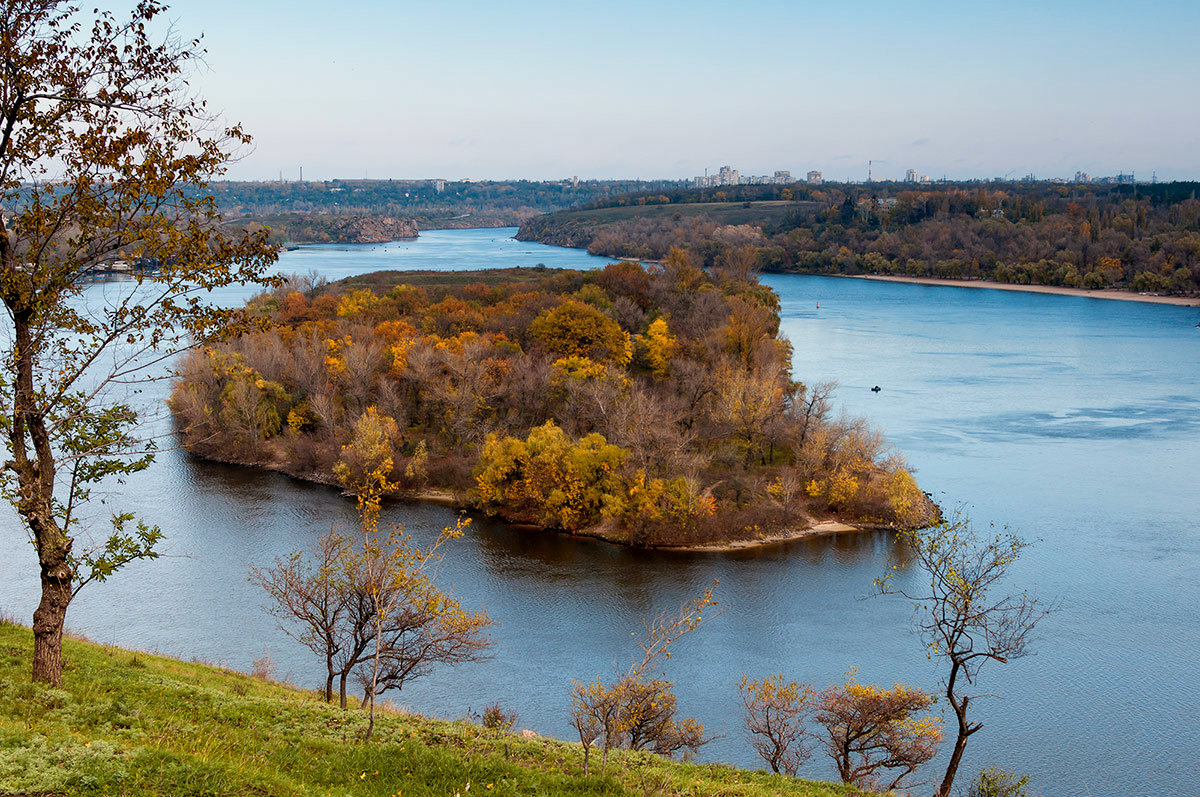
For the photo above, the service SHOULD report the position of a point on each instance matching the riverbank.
(127, 722)
(1103, 293)
(607, 532)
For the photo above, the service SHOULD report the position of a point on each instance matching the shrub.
(495, 718)
(996, 782)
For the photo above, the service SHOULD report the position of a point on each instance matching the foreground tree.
(776, 719)
(637, 711)
(103, 157)
(371, 612)
(966, 612)
(413, 624)
(308, 596)
(875, 736)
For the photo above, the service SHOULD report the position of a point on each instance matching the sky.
(662, 89)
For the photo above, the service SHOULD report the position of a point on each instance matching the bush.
(996, 782)
(495, 718)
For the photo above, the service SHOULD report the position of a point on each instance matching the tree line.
(1143, 238)
(456, 203)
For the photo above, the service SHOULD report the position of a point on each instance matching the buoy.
(819, 307)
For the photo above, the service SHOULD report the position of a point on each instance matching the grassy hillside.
(131, 723)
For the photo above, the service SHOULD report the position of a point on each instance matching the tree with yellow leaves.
(656, 346)
(776, 719)
(371, 609)
(637, 711)
(964, 612)
(105, 154)
(574, 328)
(870, 730)
(558, 481)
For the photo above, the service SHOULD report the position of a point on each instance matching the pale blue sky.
(664, 89)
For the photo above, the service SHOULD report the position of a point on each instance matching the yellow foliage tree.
(366, 463)
(574, 328)
(870, 730)
(560, 482)
(657, 346)
(358, 304)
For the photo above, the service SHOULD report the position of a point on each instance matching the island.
(648, 405)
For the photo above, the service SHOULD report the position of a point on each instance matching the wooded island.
(645, 405)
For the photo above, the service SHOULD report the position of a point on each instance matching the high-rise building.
(910, 176)
(783, 177)
(815, 178)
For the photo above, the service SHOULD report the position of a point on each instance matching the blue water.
(1071, 420)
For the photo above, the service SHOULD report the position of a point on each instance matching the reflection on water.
(1071, 420)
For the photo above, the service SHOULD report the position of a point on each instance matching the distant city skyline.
(660, 90)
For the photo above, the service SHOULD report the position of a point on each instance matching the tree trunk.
(375, 674)
(960, 744)
(960, 741)
(342, 688)
(35, 479)
(48, 621)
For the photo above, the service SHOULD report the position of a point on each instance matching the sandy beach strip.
(1124, 296)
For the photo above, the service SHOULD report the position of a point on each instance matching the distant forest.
(1143, 238)
(314, 211)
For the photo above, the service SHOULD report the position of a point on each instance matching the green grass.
(132, 723)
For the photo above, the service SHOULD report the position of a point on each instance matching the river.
(1072, 421)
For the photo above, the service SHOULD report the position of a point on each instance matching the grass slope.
(132, 723)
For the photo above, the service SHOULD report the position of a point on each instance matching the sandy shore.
(1124, 296)
(818, 530)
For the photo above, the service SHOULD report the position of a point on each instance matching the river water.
(1072, 421)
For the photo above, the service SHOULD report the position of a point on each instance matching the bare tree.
(312, 592)
(966, 613)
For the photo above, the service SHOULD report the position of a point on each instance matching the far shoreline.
(1101, 293)
(1055, 290)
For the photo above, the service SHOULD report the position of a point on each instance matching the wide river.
(1072, 421)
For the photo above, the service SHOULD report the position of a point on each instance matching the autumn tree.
(776, 718)
(371, 610)
(577, 329)
(656, 347)
(104, 155)
(876, 736)
(310, 599)
(638, 711)
(966, 612)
